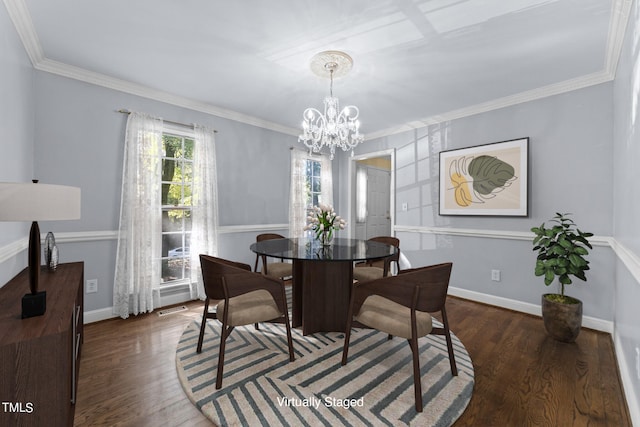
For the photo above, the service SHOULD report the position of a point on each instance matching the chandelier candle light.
(334, 128)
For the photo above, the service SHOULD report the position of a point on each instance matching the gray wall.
(16, 130)
(570, 161)
(80, 139)
(626, 173)
(583, 159)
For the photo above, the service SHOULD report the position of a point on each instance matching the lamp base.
(34, 304)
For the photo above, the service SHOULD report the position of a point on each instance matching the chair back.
(388, 240)
(433, 284)
(214, 269)
(268, 236)
(260, 238)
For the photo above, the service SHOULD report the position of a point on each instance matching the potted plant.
(562, 249)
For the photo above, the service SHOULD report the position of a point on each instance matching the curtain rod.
(125, 111)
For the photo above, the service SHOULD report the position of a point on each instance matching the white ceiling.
(415, 61)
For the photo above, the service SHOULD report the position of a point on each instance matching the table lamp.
(37, 202)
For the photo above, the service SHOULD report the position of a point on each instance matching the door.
(378, 220)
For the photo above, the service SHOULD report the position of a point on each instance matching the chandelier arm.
(336, 127)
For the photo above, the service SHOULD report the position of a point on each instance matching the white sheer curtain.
(298, 196)
(326, 178)
(361, 194)
(139, 235)
(204, 216)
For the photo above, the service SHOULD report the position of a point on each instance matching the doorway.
(372, 198)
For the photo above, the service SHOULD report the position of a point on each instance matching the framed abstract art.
(488, 179)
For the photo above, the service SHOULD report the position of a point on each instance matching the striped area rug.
(261, 387)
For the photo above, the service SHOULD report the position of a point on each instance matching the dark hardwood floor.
(523, 377)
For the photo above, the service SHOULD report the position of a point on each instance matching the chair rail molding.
(628, 258)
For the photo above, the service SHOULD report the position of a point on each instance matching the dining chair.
(400, 306)
(371, 270)
(281, 270)
(244, 298)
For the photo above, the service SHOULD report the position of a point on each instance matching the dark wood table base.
(321, 292)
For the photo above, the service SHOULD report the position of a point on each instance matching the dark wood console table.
(322, 277)
(40, 356)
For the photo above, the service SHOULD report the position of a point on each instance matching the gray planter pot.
(562, 321)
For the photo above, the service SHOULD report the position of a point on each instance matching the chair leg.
(345, 349)
(203, 325)
(257, 326)
(347, 336)
(289, 340)
(223, 338)
(390, 337)
(447, 335)
(417, 385)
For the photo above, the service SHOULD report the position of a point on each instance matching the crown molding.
(496, 104)
(620, 12)
(92, 77)
(19, 14)
(21, 18)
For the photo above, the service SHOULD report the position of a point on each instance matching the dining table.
(322, 277)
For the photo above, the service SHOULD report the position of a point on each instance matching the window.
(313, 183)
(176, 190)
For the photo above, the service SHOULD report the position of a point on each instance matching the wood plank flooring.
(523, 377)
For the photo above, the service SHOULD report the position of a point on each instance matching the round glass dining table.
(322, 277)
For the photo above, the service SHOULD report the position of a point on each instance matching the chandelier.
(334, 128)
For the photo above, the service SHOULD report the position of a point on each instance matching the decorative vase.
(562, 321)
(50, 249)
(53, 261)
(326, 237)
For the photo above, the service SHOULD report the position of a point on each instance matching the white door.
(378, 222)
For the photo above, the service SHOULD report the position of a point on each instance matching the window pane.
(170, 244)
(185, 173)
(315, 184)
(316, 168)
(169, 169)
(188, 148)
(171, 145)
(186, 200)
(176, 269)
(172, 220)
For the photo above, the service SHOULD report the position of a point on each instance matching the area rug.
(261, 387)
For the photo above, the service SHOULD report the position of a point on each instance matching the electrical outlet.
(495, 275)
(92, 286)
(405, 207)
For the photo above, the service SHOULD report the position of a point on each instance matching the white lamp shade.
(38, 202)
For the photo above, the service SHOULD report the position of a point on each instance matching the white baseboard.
(107, 313)
(627, 375)
(524, 307)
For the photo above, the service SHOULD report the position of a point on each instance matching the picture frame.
(490, 179)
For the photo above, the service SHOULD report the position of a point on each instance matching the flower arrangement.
(323, 221)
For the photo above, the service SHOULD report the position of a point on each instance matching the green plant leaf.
(548, 277)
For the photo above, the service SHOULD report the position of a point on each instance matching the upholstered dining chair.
(371, 270)
(281, 270)
(244, 298)
(400, 305)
